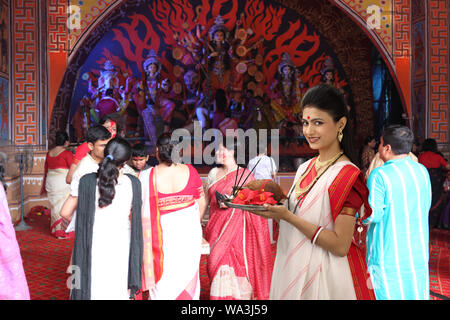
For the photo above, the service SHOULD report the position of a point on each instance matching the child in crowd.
(138, 161)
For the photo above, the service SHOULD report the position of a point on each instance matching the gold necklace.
(322, 167)
(322, 164)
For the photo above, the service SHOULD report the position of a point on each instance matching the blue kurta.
(397, 236)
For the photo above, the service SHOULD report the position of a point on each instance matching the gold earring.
(340, 135)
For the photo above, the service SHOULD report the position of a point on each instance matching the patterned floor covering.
(46, 259)
(439, 264)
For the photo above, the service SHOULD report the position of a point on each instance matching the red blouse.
(61, 161)
(81, 152)
(170, 202)
(432, 160)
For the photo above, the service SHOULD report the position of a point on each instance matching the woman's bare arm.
(69, 208)
(336, 241)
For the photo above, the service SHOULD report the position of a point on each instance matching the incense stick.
(235, 178)
(251, 171)
(242, 174)
(233, 191)
(236, 188)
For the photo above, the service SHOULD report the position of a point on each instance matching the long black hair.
(117, 152)
(329, 99)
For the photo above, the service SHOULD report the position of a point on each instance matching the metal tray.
(246, 207)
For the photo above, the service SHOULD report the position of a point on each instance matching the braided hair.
(117, 152)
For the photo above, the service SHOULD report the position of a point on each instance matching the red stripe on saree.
(310, 177)
(338, 193)
(155, 217)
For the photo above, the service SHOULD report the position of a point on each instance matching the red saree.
(349, 184)
(240, 262)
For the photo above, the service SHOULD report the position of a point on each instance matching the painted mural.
(4, 82)
(162, 66)
(4, 31)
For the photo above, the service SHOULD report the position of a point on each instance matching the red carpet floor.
(46, 259)
(439, 263)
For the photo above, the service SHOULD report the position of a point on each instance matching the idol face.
(287, 71)
(329, 76)
(152, 68)
(219, 36)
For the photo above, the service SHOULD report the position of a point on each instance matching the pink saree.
(240, 261)
(13, 284)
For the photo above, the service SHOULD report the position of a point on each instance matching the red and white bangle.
(316, 235)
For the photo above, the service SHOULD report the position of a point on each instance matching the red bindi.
(308, 117)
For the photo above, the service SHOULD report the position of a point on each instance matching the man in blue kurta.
(397, 235)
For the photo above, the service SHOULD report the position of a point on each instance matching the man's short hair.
(400, 138)
(97, 132)
(139, 150)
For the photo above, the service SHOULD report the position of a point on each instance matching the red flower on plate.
(263, 197)
(247, 196)
(243, 196)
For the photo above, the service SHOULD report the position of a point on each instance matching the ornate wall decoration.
(4, 38)
(352, 47)
(85, 15)
(418, 72)
(378, 14)
(58, 46)
(438, 72)
(57, 26)
(4, 71)
(402, 51)
(25, 89)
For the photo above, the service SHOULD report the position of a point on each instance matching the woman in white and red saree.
(172, 201)
(240, 261)
(57, 163)
(319, 253)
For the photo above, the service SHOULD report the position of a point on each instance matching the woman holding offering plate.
(240, 261)
(320, 253)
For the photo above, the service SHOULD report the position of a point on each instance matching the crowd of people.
(344, 232)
